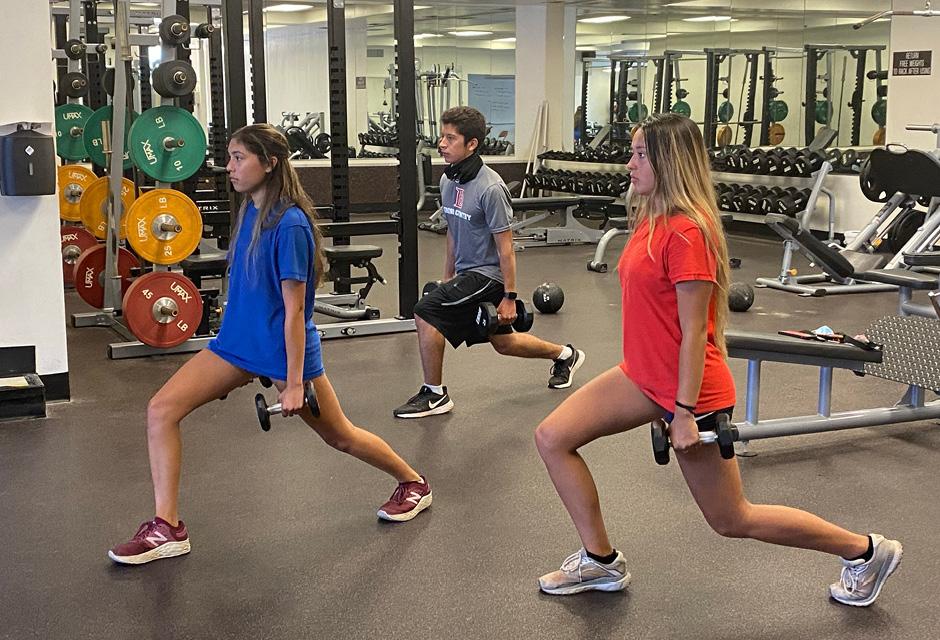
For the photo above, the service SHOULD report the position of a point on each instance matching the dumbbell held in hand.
(725, 435)
(487, 318)
(265, 411)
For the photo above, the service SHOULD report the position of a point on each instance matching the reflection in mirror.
(739, 68)
(463, 56)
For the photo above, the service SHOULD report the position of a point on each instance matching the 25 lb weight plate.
(70, 121)
(89, 273)
(94, 143)
(725, 111)
(94, 206)
(168, 143)
(73, 179)
(75, 241)
(163, 309)
(165, 226)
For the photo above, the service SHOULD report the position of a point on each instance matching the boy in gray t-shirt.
(480, 266)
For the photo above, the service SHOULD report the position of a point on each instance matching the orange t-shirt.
(651, 331)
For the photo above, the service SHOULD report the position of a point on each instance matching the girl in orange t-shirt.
(674, 275)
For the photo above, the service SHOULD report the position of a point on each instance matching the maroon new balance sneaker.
(409, 499)
(154, 539)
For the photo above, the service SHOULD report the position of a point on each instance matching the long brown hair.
(282, 189)
(677, 155)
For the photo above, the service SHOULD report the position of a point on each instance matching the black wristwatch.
(510, 295)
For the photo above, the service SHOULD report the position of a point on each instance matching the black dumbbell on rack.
(725, 435)
(265, 411)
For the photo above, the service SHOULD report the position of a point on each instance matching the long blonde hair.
(282, 189)
(677, 155)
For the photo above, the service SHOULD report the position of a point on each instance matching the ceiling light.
(422, 36)
(504, 40)
(470, 34)
(419, 7)
(708, 19)
(604, 19)
(585, 48)
(288, 7)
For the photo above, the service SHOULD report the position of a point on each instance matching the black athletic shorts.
(452, 307)
(707, 421)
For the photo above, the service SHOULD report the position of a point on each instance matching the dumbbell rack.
(113, 139)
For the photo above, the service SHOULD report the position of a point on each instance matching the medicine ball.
(548, 297)
(740, 296)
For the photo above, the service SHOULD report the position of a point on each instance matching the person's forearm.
(507, 265)
(295, 339)
(691, 365)
(449, 266)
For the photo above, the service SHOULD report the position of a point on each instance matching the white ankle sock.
(438, 389)
(566, 352)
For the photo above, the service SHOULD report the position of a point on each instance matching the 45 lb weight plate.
(75, 241)
(89, 273)
(163, 309)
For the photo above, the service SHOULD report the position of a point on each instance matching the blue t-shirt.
(252, 333)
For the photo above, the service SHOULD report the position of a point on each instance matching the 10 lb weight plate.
(163, 309)
(682, 108)
(89, 273)
(70, 121)
(94, 144)
(75, 241)
(725, 111)
(638, 112)
(72, 179)
(168, 143)
(165, 226)
(94, 206)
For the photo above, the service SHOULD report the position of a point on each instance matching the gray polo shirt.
(475, 211)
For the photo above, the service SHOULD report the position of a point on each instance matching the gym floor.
(285, 539)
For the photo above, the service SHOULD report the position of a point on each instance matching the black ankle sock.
(603, 559)
(868, 554)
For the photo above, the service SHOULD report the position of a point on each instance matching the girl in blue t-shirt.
(267, 330)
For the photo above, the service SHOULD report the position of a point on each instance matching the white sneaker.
(861, 581)
(580, 572)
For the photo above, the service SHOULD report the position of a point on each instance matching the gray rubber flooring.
(285, 539)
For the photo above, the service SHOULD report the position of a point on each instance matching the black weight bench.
(353, 255)
(901, 358)
(209, 264)
(772, 347)
(570, 231)
(841, 275)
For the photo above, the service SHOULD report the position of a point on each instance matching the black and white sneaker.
(563, 370)
(425, 403)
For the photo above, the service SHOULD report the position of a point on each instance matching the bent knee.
(730, 524)
(161, 412)
(548, 439)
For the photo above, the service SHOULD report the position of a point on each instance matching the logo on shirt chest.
(458, 198)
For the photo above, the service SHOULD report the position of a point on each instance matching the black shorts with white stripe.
(452, 307)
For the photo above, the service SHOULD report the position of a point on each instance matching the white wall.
(33, 308)
(914, 99)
